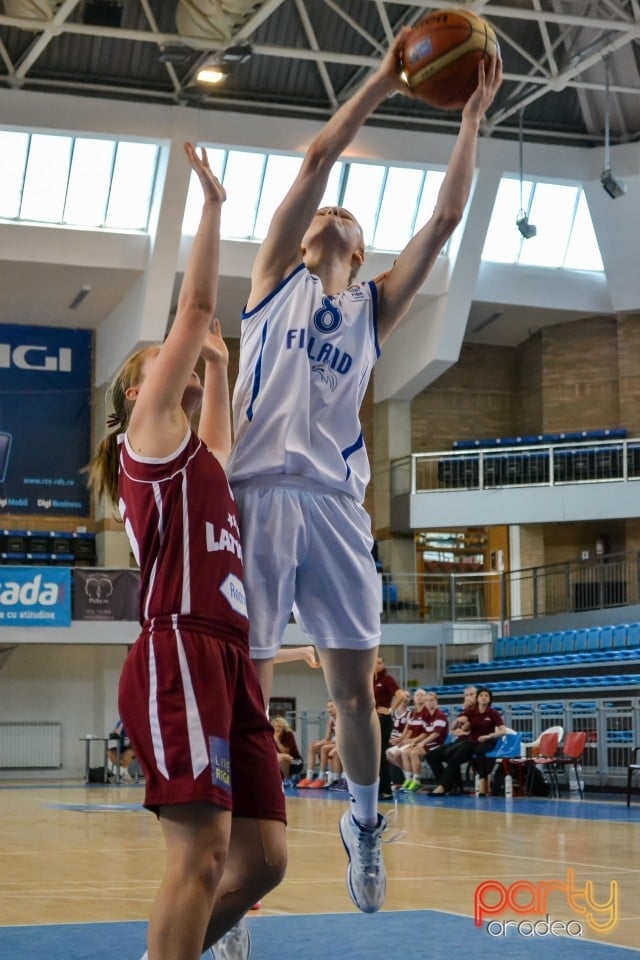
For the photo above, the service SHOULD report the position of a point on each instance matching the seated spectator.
(399, 716)
(485, 726)
(315, 758)
(416, 727)
(127, 756)
(435, 735)
(289, 756)
(457, 735)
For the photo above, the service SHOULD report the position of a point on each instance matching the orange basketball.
(441, 56)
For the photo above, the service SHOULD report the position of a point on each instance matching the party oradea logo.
(533, 904)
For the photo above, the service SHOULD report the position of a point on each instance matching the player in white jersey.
(310, 337)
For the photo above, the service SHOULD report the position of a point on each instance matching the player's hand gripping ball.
(440, 56)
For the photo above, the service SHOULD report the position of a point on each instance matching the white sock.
(145, 956)
(408, 775)
(364, 803)
(309, 777)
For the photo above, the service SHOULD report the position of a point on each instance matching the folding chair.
(572, 751)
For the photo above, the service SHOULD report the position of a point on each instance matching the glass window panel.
(243, 183)
(193, 205)
(503, 240)
(45, 184)
(132, 186)
(13, 151)
(583, 252)
(280, 173)
(89, 182)
(331, 196)
(362, 195)
(552, 210)
(397, 210)
(428, 198)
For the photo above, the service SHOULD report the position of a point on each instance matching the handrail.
(542, 464)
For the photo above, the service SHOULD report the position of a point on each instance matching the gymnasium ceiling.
(305, 58)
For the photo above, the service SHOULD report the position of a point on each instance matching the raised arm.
(398, 287)
(214, 428)
(158, 423)
(280, 251)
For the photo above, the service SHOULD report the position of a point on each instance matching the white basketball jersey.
(305, 362)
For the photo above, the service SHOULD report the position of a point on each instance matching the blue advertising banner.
(35, 597)
(45, 419)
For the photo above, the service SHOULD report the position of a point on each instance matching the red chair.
(547, 749)
(571, 756)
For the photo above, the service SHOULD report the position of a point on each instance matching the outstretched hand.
(391, 65)
(489, 82)
(214, 349)
(211, 186)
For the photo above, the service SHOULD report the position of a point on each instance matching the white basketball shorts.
(306, 545)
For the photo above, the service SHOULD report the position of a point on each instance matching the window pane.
(362, 194)
(397, 210)
(132, 186)
(89, 182)
(193, 206)
(502, 244)
(331, 196)
(279, 175)
(430, 190)
(552, 210)
(583, 252)
(13, 154)
(45, 184)
(243, 183)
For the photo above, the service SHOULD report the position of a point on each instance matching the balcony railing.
(517, 466)
(572, 587)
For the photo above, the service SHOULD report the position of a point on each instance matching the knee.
(354, 701)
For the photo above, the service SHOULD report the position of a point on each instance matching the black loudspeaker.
(103, 13)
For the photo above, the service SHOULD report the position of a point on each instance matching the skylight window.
(565, 235)
(389, 202)
(78, 181)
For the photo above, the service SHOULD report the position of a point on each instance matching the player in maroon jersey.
(189, 695)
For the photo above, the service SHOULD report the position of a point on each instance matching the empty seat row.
(550, 683)
(610, 637)
(529, 440)
(557, 660)
(47, 546)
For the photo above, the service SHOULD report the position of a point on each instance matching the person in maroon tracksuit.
(189, 694)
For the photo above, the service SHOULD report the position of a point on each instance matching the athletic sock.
(364, 802)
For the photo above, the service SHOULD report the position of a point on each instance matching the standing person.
(189, 695)
(299, 469)
(386, 694)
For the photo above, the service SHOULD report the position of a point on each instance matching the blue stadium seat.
(520, 646)
(580, 641)
(620, 636)
(556, 642)
(532, 645)
(500, 644)
(568, 639)
(544, 643)
(593, 638)
(633, 635)
(509, 646)
(606, 638)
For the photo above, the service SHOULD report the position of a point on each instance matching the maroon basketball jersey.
(182, 523)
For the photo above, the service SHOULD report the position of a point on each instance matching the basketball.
(441, 55)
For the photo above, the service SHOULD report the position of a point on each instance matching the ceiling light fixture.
(212, 71)
(522, 220)
(612, 184)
